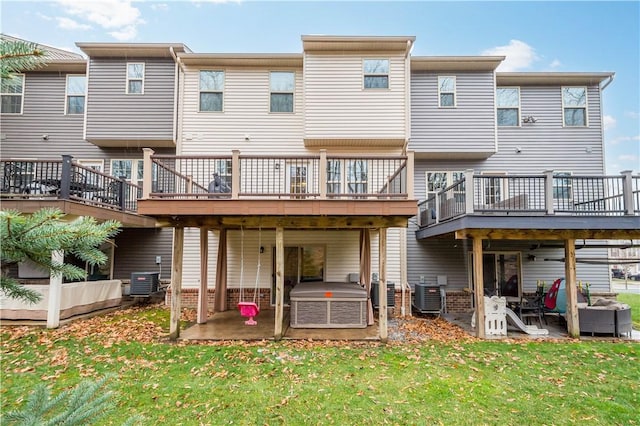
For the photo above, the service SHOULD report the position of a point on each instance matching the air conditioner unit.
(391, 294)
(144, 283)
(427, 298)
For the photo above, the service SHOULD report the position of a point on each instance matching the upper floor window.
(76, 89)
(440, 180)
(376, 73)
(447, 91)
(574, 106)
(135, 77)
(211, 90)
(355, 173)
(282, 86)
(12, 91)
(508, 106)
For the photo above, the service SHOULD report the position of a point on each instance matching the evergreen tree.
(19, 55)
(36, 235)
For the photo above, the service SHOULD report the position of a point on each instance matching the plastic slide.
(529, 329)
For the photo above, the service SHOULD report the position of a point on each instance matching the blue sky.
(535, 36)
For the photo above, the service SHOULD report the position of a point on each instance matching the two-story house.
(72, 132)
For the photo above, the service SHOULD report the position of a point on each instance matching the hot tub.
(328, 305)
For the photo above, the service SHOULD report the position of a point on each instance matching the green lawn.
(294, 383)
(632, 300)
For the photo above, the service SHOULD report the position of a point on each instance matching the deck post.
(176, 283)
(55, 292)
(410, 172)
(204, 279)
(478, 286)
(65, 177)
(627, 191)
(277, 332)
(235, 174)
(548, 190)
(382, 287)
(573, 326)
(323, 174)
(147, 173)
(469, 191)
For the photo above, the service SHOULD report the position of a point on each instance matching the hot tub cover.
(327, 290)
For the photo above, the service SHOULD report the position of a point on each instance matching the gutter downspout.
(604, 159)
(404, 285)
(176, 92)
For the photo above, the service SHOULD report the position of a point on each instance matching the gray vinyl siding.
(112, 114)
(547, 144)
(465, 130)
(544, 145)
(42, 113)
(136, 251)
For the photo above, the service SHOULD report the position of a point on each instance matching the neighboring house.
(55, 111)
(532, 145)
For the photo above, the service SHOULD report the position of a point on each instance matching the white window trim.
(519, 107)
(24, 83)
(455, 92)
(144, 70)
(449, 176)
(224, 86)
(344, 181)
(388, 74)
(66, 93)
(586, 106)
(271, 92)
(561, 175)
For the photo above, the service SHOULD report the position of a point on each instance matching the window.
(135, 77)
(12, 94)
(129, 170)
(447, 91)
(223, 169)
(437, 181)
(76, 89)
(562, 186)
(494, 187)
(508, 105)
(574, 106)
(211, 90)
(297, 179)
(282, 87)
(356, 174)
(376, 73)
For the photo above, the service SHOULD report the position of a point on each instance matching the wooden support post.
(410, 174)
(277, 332)
(235, 174)
(176, 283)
(573, 326)
(323, 174)
(204, 279)
(382, 289)
(548, 191)
(55, 292)
(147, 173)
(478, 286)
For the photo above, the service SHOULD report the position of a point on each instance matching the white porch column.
(277, 332)
(204, 279)
(382, 289)
(55, 292)
(176, 283)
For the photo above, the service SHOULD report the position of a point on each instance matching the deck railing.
(240, 176)
(66, 180)
(545, 194)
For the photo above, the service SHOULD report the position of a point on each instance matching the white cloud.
(608, 122)
(616, 141)
(119, 16)
(70, 24)
(632, 114)
(555, 64)
(160, 6)
(519, 55)
(43, 16)
(628, 157)
(125, 33)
